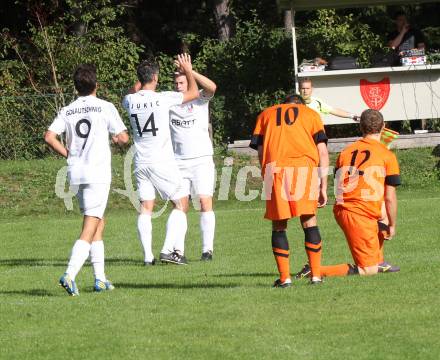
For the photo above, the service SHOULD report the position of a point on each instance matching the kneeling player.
(367, 175)
(87, 123)
(291, 143)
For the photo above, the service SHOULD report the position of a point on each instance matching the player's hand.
(322, 201)
(115, 139)
(177, 65)
(185, 62)
(391, 232)
(405, 29)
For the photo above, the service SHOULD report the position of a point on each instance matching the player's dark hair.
(371, 122)
(398, 14)
(146, 70)
(84, 79)
(294, 99)
(305, 80)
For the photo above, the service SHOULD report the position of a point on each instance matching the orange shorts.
(292, 191)
(361, 233)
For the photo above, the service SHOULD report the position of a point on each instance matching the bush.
(35, 87)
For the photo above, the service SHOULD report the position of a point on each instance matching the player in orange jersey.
(367, 174)
(291, 144)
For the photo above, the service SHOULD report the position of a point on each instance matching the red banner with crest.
(375, 94)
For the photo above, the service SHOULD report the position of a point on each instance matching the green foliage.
(46, 62)
(253, 70)
(329, 33)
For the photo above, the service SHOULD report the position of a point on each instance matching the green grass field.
(223, 309)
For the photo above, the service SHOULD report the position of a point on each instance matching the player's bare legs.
(144, 227)
(99, 231)
(89, 228)
(312, 243)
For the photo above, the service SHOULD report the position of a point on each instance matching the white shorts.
(163, 177)
(198, 176)
(92, 199)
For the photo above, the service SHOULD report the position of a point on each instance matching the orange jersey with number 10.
(288, 131)
(289, 134)
(362, 171)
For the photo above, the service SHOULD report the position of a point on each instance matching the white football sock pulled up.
(144, 232)
(97, 259)
(207, 229)
(80, 253)
(176, 232)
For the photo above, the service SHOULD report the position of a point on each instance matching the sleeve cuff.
(256, 140)
(320, 137)
(392, 180)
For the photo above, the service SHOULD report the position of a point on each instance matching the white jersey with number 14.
(149, 118)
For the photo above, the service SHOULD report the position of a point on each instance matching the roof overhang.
(298, 5)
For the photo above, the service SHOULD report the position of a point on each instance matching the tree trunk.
(224, 19)
(288, 21)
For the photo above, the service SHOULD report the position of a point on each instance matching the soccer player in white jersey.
(193, 151)
(87, 122)
(155, 166)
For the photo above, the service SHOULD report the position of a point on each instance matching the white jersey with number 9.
(87, 122)
(149, 118)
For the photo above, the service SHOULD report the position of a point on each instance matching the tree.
(45, 60)
(223, 19)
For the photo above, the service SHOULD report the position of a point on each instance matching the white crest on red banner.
(375, 94)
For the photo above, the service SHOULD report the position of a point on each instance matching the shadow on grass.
(33, 262)
(174, 286)
(251, 274)
(32, 292)
(62, 262)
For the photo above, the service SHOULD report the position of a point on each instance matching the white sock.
(144, 233)
(80, 253)
(176, 231)
(97, 259)
(207, 228)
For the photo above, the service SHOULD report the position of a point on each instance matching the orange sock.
(313, 249)
(339, 270)
(280, 248)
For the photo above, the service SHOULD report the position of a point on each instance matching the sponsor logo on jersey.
(83, 110)
(183, 123)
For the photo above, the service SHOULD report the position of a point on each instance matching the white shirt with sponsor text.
(149, 117)
(189, 125)
(87, 122)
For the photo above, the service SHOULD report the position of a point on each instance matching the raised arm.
(185, 65)
(344, 114)
(206, 84)
(51, 138)
(394, 43)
